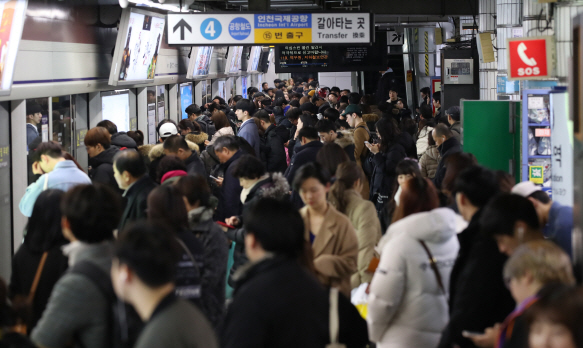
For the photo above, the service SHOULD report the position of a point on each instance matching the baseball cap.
(168, 129)
(525, 188)
(454, 110)
(353, 109)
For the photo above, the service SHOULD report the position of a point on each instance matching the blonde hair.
(545, 261)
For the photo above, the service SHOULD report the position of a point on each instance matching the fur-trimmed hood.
(144, 150)
(347, 138)
(276, 186)
(370, 117)
(197, 138)
(157, 150)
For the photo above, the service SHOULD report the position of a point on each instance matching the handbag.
(334, 320)
(23, 304)
(433, 265)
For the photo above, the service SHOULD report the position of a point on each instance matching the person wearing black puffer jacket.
(118, 139)
(257, 184)
(447, 145)
(101, 155)
(386, 156)
(271, 143)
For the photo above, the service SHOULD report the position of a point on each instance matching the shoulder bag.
(433, 265)
(24, 304)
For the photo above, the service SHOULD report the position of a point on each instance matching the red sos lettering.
(528, 58)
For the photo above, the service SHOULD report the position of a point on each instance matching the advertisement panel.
(10, 34)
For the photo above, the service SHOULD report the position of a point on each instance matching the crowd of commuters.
(255, 222)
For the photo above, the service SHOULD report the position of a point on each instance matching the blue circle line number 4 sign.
(211, 28)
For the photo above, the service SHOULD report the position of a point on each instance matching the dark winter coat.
(157, 153)
(449, 147)
(137, 201)
(230, 201)
(275, 186)
(304, 154)
(102, 168)
(383, 175)
(214, 272)
(121, 140)
(407, 141)
(194, 165)
(24, 266)
(456, 129)
(478, 297)
(277, 303)
(272, 149)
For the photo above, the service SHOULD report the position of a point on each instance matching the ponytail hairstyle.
(347, 174)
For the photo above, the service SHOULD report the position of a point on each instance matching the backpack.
(125, 323)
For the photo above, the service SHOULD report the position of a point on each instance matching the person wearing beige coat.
(330, 233)
(335, 249)
(344, 196)
(429, 162)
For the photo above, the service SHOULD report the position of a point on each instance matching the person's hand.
(233, 221)
(219, 181)
(486, 340)
(286, 144)
(374, 148)
(206, 142)
(36, 169)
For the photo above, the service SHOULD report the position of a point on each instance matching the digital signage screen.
(254, 58)
(115, 107)
(233, 65)
(137, 47)
(200, 62)
(185, 98)
(322, 58)
(13, 13)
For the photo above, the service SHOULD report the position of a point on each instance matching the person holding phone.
(228, 152)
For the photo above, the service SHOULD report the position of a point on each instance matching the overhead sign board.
(395, 39)
(269, 28)
(531, 58)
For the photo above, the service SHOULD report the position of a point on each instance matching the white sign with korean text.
(562, 150)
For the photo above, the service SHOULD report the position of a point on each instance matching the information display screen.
(136, 53)
(234, 60)
(203, 61)
(320, 58)
(254, 58)
(185, 98)
(10, 33)
(115, 107)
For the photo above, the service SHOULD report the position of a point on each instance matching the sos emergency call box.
(531, 58)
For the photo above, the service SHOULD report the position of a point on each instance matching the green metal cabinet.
(491, 132)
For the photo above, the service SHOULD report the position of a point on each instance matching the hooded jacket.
(198, 139)
(102, 168)
(272, 148)
(406, 306)
(157, 152)
(422, 139)
(346, 141)
(274, 186)
(121, 140)
(449, 147)
(429, 162)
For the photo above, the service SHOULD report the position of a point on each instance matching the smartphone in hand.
(469, 334)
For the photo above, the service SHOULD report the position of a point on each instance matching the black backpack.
(125, 323)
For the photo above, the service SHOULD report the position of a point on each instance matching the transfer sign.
(206, 29)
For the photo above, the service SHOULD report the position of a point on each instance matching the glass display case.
(536, 138)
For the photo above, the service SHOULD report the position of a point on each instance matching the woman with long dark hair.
(345, 196)
(43, 240)
(408, 294)
(386, 156)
